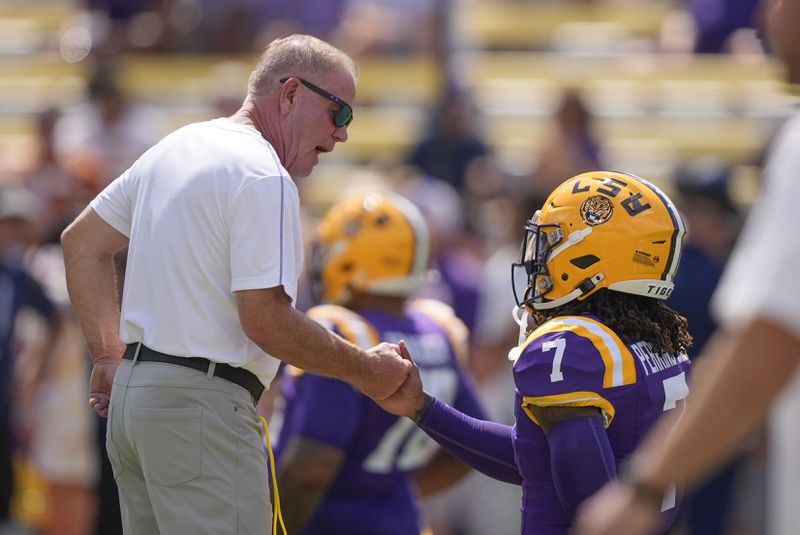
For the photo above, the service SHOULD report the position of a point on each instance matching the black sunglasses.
(343, 116)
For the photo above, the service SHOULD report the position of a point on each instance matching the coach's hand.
(385, 370)
(409, 399)
(100, 385)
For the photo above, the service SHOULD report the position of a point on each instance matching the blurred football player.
(602, 361)
(344, 465)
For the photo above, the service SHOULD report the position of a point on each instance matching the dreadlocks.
(632, 317)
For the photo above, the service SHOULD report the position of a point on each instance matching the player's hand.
(409, 398)
(386, 369)
(615, 510)
(100, 386)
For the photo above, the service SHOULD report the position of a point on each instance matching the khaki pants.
(186, 451)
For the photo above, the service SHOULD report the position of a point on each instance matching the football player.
(604, 358)
(344, 465)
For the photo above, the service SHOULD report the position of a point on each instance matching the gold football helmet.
(601, 230)
(374, 242)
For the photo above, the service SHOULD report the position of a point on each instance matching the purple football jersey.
(577, 361)
(372, 494)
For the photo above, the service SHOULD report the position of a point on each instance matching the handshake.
(392, 379)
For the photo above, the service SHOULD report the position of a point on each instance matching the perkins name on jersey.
(653, 362)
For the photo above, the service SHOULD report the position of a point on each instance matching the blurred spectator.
(103, 136)
(571, 147)
(713, 223)
(717, 20)
(62, 442)
(452, 144)
(18, 292)
(60, 193)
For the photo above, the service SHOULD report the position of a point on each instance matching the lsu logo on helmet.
(601, 230)
(375, 242)
(596, 210)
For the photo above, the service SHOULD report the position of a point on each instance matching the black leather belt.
(244, 378)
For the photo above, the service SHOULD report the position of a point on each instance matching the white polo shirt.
(209, 210)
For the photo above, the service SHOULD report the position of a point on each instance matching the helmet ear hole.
(584, 261)
(564, 277)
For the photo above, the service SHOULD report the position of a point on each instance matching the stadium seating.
(651, 110)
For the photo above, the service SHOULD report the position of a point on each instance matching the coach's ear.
(288, 95)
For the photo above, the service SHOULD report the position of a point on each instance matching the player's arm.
(485, 446)
(581, 458)
(305, 473)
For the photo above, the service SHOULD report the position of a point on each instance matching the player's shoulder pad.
(443, 315)
(602, 348)
(347, 323)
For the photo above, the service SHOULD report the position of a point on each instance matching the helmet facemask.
(537, 245)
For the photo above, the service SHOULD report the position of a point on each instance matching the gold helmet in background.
(375, 242)
(601, 230)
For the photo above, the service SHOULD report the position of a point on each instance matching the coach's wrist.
(645, 491)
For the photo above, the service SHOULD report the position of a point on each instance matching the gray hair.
(296, 55)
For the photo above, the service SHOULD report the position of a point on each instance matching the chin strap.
(582, 289)
(520, 315)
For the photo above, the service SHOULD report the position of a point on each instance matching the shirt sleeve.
(761, 279)
(115, 203)
(265, 238)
